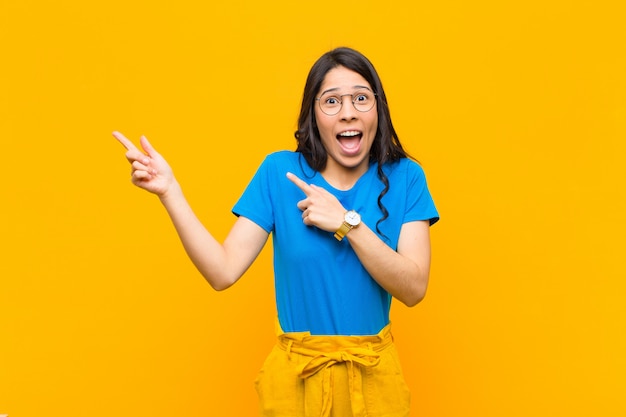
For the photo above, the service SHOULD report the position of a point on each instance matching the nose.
(347, 111)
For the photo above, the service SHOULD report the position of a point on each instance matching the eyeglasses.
(331, 102)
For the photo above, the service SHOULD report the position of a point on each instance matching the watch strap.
(343, 230)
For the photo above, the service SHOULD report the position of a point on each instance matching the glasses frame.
(318, 99)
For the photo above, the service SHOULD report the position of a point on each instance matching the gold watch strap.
(342, 231)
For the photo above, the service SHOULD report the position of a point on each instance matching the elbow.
(414, 300)
(220, 286)
(417, 290)
(415, 297)
(220, 283)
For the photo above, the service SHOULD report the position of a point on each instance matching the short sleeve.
(256, 201)
(420, 204)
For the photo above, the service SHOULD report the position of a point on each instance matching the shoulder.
(282, 156)
(281, 159)
(287, 161)
(404, 167)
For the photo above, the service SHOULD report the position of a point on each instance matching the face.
(348, 135)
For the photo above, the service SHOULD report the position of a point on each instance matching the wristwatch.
(350, 220)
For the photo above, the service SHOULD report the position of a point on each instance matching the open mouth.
(350, 140)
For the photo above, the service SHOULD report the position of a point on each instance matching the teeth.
(350, 133)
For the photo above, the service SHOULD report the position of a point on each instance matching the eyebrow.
(356, 87)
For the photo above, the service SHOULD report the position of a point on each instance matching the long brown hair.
(386, 147)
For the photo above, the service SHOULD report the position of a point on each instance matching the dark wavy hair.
(386, 147)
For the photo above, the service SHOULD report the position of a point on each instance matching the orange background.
(517, 112)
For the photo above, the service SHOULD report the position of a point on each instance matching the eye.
(361, 97)
(332, 100)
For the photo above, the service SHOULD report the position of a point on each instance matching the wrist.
(351, 220)
(172, 193)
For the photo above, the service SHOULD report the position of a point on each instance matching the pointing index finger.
(306, 188)
(125, 142)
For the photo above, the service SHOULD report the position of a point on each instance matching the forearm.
(206, 253)
(404, 278)
(403, 273)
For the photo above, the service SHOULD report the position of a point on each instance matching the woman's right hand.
(149, 170)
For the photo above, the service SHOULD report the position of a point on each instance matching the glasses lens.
(330, 104)
(363, 100)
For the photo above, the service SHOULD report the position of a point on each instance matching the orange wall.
(517, 112)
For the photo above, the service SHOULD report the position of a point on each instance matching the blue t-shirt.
(321, 286)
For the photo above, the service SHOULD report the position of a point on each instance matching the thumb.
(145, 144)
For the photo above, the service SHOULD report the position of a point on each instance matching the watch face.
(352, 218)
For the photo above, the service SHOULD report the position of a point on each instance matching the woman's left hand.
(320, 208)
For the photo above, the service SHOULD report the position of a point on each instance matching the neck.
(343, 178)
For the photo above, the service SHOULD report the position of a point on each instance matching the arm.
(402, 273)
(220, 264)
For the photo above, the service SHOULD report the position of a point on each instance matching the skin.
(404, 274)
(345, 166)
(221, 264)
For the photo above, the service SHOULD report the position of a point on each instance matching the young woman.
(349, 214)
